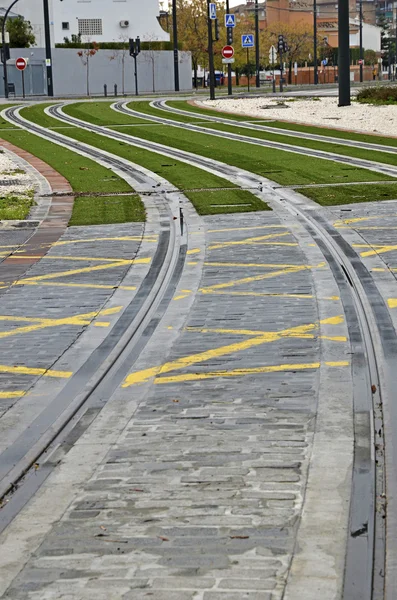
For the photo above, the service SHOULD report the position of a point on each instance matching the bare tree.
(85, 56)
(120, 55)
(150, 56)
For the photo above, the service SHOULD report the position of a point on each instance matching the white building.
(95, 20)
(371, 35)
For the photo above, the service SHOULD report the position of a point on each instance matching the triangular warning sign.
(229, 21)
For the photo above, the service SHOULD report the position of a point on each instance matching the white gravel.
(12, 180)
(322, 111)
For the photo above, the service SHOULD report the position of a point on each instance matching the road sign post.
(247, 41)
(21, 64)
(211, 16)
(230, 23)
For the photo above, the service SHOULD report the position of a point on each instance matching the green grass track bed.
(349, 194)
(182, 175)
(97, 210)
(278, 165)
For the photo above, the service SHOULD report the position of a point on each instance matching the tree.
(150, 56)
(370, 57)
(85, 56)
(21, 32)
(120, 54)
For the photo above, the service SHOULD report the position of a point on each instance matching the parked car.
(219, 78)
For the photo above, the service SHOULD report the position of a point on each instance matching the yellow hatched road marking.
(252, 240)
(260, 337)
(376, 249)
(83, 258)
(262, 265)
(33, 371)
(77, 271)
(94, 286)
(359, 219)
(264, 295)
(248, 228)
(243, 372)
(43, 323)
(9, 395)
(392, 302)
(127, 238)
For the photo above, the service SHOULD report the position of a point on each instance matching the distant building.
(95, 20)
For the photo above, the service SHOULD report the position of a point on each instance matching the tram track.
(374, 350)
(162, 105)
(71, 411)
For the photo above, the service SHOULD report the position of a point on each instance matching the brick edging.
(50, 229)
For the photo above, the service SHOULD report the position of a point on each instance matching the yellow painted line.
(76, 285)
(82, 258)
(194, 251)
(248, 228)
(360, 219)
(259, 339)
(33, 371)
(77, 271)
(378, 270)
(392, 302)
(127, 238)
(266, 295)
(243, 372)
(376, 249)
(43, 323)
(14, 246)
(220, 286)
(9, 395)
(372, 228)
(247, 241)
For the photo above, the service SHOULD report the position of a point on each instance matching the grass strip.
(286, 169)
(182, 175)
(349, 194)
(16, 207)
(107, 210)
(3, 123)
(99, 113)
(225, 201)
(326, 131)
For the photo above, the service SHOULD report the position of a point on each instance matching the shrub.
(378, 95)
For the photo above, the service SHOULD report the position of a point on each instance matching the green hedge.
(120, 45)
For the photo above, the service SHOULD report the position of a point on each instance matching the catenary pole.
(47, 35)
(3, 32)
(315, 41)
(343, 53)
(210, 54)
(175, 38)
(361, 42)
(257, 65)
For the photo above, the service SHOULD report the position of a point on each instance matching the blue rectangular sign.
(247, 40)
(212, 11)
(230, 20)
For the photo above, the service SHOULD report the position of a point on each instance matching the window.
(65, 25)
(90, 26)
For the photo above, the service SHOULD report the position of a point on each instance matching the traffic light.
(137, 45)
(217, 34)
(132, 46)
(230, 35)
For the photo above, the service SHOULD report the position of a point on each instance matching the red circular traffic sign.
(228, 52)
(21, 64)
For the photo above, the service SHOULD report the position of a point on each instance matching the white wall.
(371, 37)
(141, 15)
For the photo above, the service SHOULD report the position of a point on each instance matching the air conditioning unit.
(124, 23)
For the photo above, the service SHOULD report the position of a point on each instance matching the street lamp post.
(229, 66)
(48, 61)
(257, 66)
(176, 53)
(315, 41)
(343, 53)
(361, 42)
(3, 41)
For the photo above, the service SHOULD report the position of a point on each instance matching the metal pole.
(361, 42)
(210, 54)
(395, 70)
(176, 53)
(281, 69)
(257, 65)
(229, 67)
(23, 84)
(274, 77)
(3, 31)
(344, 53)
(136, 76)
(47, 35)
(315, 41)
(248, 68)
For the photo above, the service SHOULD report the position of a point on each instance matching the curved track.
(95, 381)
(373, 340)
(339, 158)
(162, 105)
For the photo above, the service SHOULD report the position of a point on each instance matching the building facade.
(95, 20)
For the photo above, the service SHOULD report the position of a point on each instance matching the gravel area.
(13, 179)
(319, 111)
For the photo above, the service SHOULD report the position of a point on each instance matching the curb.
(48, 231)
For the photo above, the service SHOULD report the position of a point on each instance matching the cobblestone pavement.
(200, 496)
(45, 312)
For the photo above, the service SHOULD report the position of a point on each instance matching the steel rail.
(162, 105)
(322, 154)
(94, 382)
(368, 320)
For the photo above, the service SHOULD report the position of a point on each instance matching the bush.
(378, 95)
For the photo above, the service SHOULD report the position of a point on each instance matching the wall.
(142, 17)
(106, 68)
